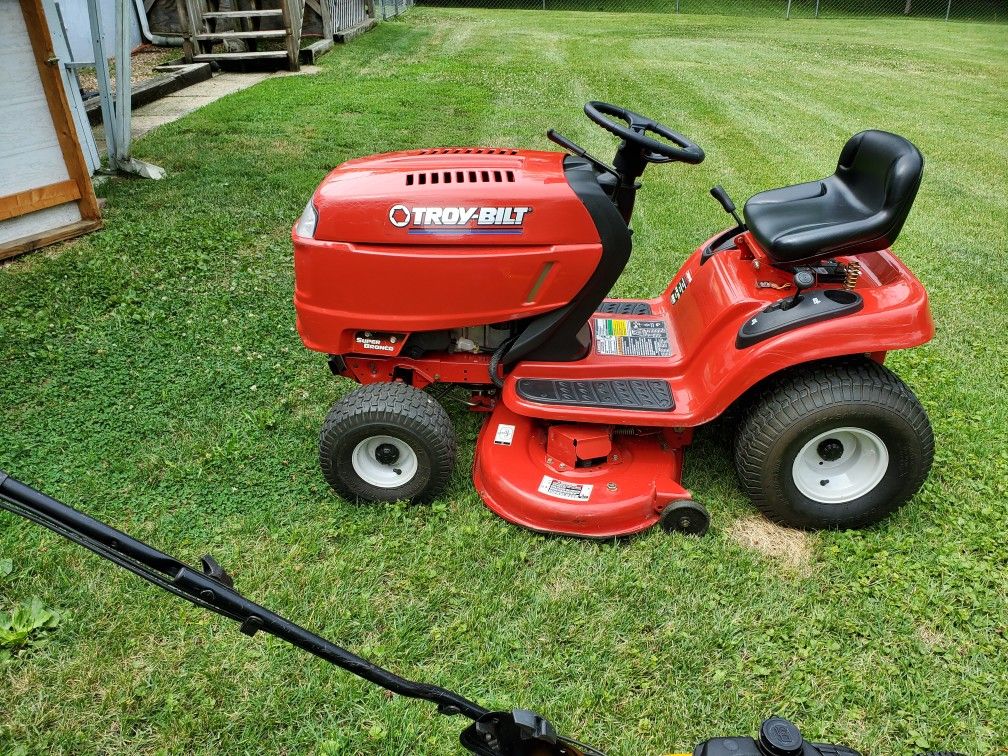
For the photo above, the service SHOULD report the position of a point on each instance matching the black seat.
(860, 208)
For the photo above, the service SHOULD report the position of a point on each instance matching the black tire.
(411, 422)
(807, 403)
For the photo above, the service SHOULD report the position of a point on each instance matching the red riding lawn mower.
(488, 269)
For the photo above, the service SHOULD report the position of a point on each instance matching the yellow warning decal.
(631, 338)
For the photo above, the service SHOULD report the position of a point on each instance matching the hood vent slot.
(466, 151)
(424, 178)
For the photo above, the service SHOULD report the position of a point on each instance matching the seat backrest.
(883, 172)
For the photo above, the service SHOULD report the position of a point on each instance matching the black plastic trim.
(337, 365)
(562, 335)
(814, 305)
(723, 241)
(632, 394)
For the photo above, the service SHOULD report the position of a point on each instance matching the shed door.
(45, 189)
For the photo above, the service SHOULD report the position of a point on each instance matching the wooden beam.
(188, 25)
(45, 238)
(293, 33)
(326, 12)
(30, 200)
(52, 84)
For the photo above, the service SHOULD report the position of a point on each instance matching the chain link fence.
(950, 10)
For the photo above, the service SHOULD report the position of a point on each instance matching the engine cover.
(440, 239)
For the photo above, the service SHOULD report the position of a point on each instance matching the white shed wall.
(30, 154)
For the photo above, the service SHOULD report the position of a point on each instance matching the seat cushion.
(860, 208)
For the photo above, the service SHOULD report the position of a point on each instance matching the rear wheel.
(836, 445)
(387, 442)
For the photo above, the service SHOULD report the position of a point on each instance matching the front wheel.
(387, 442)
(836, 445)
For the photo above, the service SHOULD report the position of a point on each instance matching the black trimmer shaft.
(515, 733)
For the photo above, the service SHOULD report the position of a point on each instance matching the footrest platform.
(610, 307)
(632, 394)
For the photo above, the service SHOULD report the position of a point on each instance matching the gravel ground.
(142, 65)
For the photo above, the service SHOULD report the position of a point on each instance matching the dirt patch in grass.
(931, 637)
(791, 549)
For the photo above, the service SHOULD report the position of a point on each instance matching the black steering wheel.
(636, 131)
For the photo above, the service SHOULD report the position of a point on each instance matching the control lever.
(725, 201)
(803, 279)
(579, 151)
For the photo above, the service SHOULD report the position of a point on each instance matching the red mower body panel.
(438, 239)
(702, 311)
(521, 474)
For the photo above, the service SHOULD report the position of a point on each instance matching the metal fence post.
(788, 13)
(948, 10)
(124, 87)
(817, 8)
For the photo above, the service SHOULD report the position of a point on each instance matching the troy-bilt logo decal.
(680, 287)
(459, 220)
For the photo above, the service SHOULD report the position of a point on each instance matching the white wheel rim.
(384, 461)
(840, 465)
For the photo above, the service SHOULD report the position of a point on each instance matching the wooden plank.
(243, 14)
(293, 42)
(187, 42)
(40, 198)
(41, 221)
(44, 239)
(326, 11)
(242, 55)
(187, 20)
(299, 11)
(268, 34)
(59, 107)
(349, 34)
(310, 53)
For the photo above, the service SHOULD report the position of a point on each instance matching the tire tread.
(390, 403)
(801, 391)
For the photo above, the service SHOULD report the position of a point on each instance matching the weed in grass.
(25, 626)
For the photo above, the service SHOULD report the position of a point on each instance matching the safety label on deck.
(504, 435)
(561, 489)
(633, 338)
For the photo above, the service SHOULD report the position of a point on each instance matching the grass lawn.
(152, 375)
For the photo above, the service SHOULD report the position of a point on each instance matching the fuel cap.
(778, 737)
